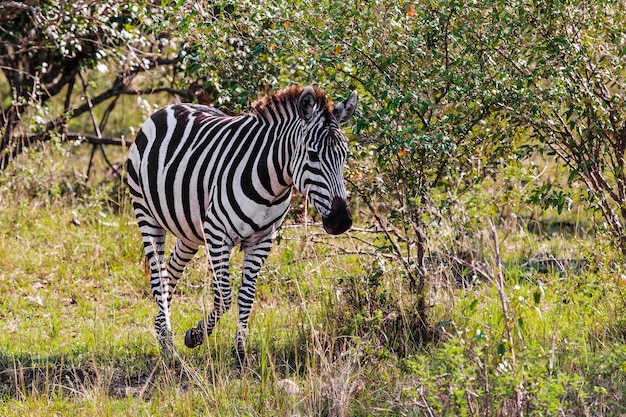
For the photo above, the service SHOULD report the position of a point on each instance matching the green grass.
(329, 334)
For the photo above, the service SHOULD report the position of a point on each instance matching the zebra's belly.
(185, 223)
(220, 222)
(245, 224)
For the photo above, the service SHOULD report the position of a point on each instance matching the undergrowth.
(332, 331)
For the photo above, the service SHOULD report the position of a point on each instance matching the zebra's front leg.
(254, 257)
(222, 297)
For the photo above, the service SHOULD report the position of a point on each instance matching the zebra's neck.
(283, 129)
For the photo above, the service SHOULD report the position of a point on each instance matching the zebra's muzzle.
(339, 219)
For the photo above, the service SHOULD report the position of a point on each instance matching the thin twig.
(499, 281)
(96, 126)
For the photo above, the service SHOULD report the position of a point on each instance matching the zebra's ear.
(306, 104)
(344, 111)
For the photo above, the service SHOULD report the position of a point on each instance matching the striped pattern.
(221, 181)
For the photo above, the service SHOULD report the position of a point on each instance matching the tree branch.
(95, 140)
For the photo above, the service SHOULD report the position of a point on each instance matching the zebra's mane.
(289, 96)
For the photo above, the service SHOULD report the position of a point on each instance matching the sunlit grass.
(330, 333)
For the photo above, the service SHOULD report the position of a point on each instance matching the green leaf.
(443, 324)
(479, 335)
(501, 348)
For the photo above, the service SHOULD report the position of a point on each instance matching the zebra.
(222, 181)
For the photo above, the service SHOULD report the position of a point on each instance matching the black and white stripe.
(216, 180)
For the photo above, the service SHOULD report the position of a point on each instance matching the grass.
(329, 334)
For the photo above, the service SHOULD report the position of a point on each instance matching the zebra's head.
(320, 157)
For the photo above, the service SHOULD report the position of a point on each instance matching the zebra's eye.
(313, 156)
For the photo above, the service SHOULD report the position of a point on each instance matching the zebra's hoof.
(166, 340)
(240, 358)
(168, 350)
(194, 337)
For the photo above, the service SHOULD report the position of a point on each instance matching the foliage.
(50, 47)
(563, 63)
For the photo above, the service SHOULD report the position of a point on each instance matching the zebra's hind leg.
(254, 257)
(222, 296)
